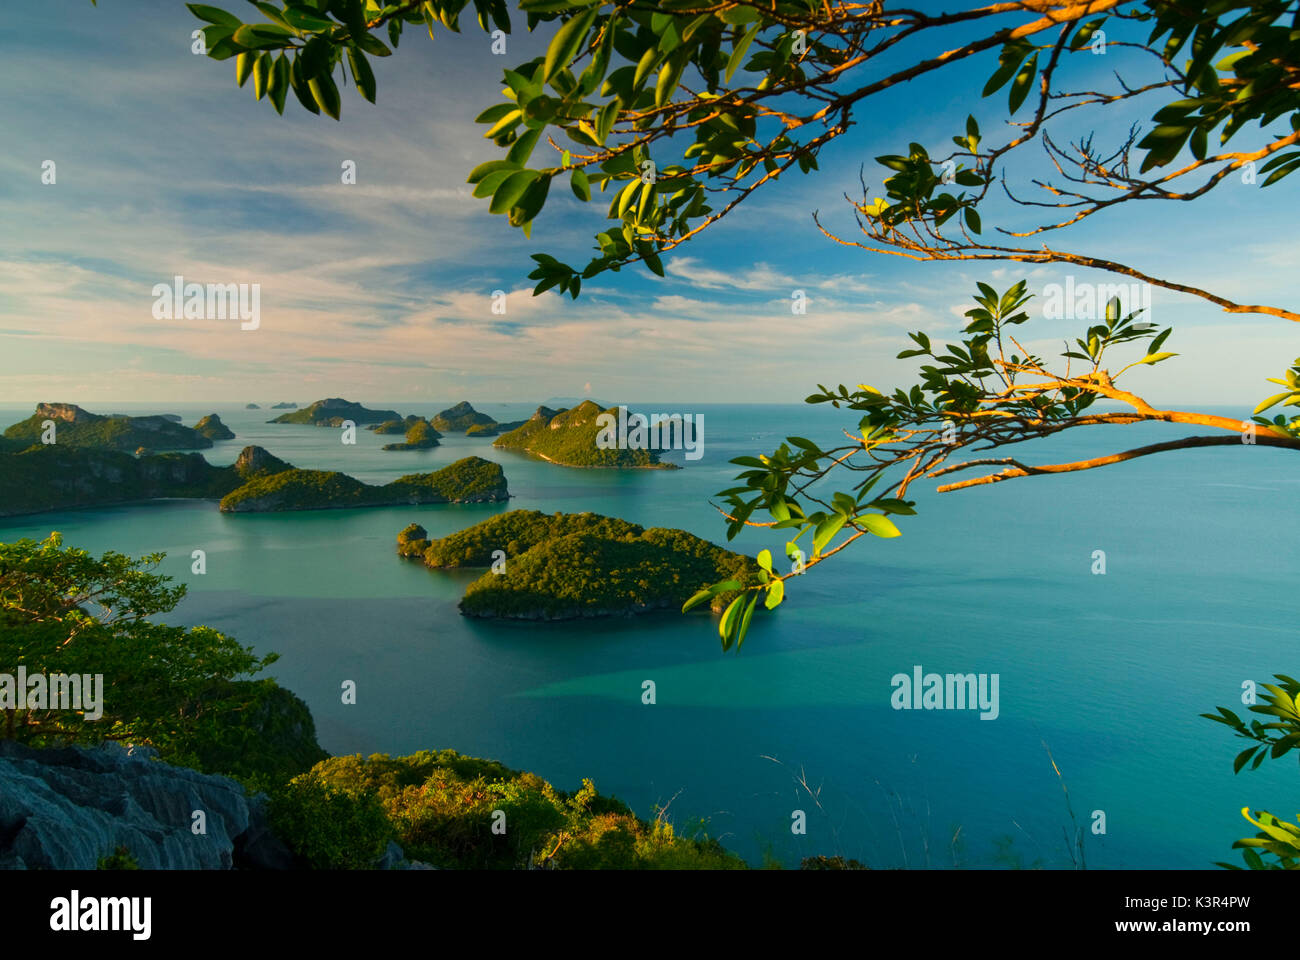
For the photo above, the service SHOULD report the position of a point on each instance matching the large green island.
(577, 565)
(568, 438)
(66, 424)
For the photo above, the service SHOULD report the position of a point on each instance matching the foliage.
(329, 826)
(65, 611)
(119, 859)
(830, 863)
(1277, 840)
(441, 807)
(680, 113)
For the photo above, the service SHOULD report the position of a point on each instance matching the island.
(470, 480)
(419, 436)
(460, 418)
(212, 428)
(401, 426)
(38, 477)
(577, 565)
(251, 406)
(75, 427)
(332, 411)
(568, 438)
(285, 406)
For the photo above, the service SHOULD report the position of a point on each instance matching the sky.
(381, 290)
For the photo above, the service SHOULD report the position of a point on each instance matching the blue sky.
(381, 290)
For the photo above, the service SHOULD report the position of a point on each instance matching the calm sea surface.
(1107, 672)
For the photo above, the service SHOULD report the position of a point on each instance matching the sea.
(791, 746)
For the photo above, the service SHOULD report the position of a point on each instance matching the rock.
(257, 461)
(65, 808)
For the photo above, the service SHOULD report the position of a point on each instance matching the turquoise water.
(1108, 672)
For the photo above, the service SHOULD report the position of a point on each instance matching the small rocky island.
(75, 427)
(568, 438)
(285, 406)
(419, 436)
(212, 428)
(251, 406)
(332, 411)
(577, 565)
(463, 418)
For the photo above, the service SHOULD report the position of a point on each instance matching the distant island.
(463, 418)
(333, 411)
(401, 426)
(212, 428)
(470, 480)
(37, 477)
(568, 437)
(285, 406)
(75, 427)
(569, 566)
(419, 436)
(251, 406)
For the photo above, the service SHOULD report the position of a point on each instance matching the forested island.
(212, 428)
(75, 427)
(568, 566)
(463, 418)
(38, 477)
(332, 411)
(470, 480)
(568, 437)
(419, 436)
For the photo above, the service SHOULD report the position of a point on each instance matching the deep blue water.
(1107, 672)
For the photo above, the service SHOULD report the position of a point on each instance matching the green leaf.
(214, 15)
(879, 525)
(1156, 357)
(261, 75)
(826, 530)
(362, 74)
(325, 93)
(579, 184)
(738, 52)
(775, 594)
(743, 627)
(566, 43)
(730, 620)
(511, 190)
(765, 560)
(1275, 399)
(244, 64)
(1020, 86)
